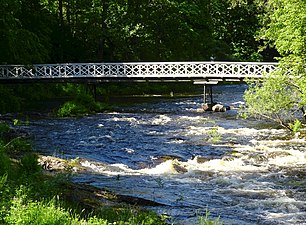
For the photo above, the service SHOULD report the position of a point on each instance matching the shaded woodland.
(60, 31)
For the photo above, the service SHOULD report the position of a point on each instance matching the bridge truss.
(140, 71)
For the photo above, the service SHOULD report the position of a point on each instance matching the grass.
(206, 220)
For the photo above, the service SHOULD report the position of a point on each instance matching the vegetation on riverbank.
(30, 196)
(78, 99)
(281, 95)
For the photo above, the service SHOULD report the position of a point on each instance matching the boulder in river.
(218, 108)
(215, 107)
(203, 159)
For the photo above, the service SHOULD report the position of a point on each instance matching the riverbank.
(32, 191)
(36, 189)
(78, 99)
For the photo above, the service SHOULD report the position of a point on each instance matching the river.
(245, 171)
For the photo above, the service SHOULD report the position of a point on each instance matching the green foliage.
(17, 98)
(272, 98)
(235, 26)
(5, 163)
(131, 216)
(29, 163)
(82, 105)
(296, 126)
(9, 102)
(214, 135)
(73, 31)
(3, 180)
(18, 145)
(285, 27)
(282, 94)
(206, 220)
(4, 127)
(83, 102)
(71, 109)
(22, 42)
(29, 197)
(23, 211)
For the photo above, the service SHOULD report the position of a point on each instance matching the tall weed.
(206, 220)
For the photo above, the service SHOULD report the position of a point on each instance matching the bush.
(29, 163)
(18, 145)
(3, 128)
(71, 108)
(4, 163)
(83, 104)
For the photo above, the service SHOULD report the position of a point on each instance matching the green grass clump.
(206, 220)
(82, 104)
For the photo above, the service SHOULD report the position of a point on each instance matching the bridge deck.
(143, 71)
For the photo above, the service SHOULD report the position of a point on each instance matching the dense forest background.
(60, 31)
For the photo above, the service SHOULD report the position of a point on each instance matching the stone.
(219, 108)
(215, 107)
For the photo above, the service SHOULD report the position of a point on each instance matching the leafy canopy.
(282, 93)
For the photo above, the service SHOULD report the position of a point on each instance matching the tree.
(236, 23)
(281, 96)
(24, 32)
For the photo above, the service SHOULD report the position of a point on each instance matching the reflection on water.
(168, 152)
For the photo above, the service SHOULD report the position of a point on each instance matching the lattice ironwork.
(138, 70)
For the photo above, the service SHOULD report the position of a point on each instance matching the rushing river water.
(243, 170)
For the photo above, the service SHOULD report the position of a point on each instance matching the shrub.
(4, 163)
(83, 104)
(4, 128)
(71, 108)
(18, 145)
(29, 163)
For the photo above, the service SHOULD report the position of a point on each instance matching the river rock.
(50, 163)
(207, 107)
(215, 107)
(203, 159)
(179, 168)
(276, 154)
(164, 158)
(218, 108)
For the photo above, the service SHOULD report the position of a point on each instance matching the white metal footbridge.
(198, 72)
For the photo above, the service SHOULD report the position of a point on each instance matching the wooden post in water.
(204, 94)
(211, 94)
(209, 83)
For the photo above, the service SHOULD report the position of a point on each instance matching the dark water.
(243, 170)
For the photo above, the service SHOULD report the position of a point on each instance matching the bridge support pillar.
(207, 89)
(204, 93)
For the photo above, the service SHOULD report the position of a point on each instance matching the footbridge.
(197, 72)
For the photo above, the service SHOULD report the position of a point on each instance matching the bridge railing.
(138, 70)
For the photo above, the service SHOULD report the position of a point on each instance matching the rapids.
(245, 171)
